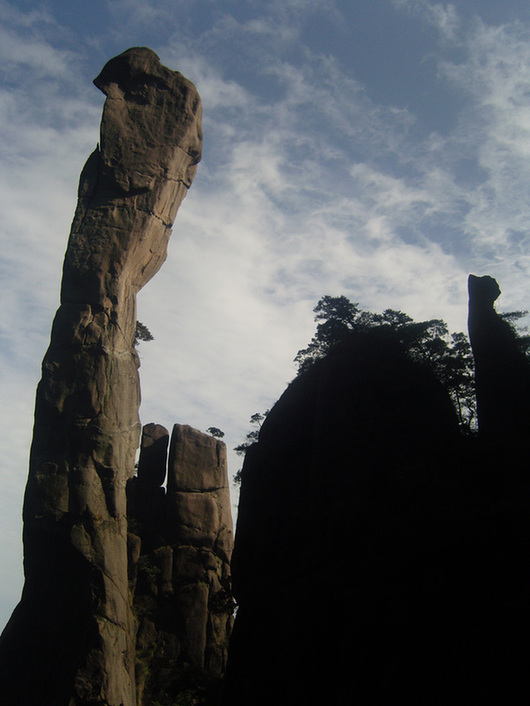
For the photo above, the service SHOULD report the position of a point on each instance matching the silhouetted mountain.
(380, 557)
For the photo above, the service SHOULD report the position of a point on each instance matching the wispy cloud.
(19, 53)
(308, 186)
(444, 17)
(495, 76)
(40, 17)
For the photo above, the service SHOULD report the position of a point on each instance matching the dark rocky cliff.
(380, 558)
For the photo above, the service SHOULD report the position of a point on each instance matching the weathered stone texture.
(71, 639)
(182, 577)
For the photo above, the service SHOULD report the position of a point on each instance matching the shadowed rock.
(146, 498)
(340, 497)
(71, 638)
(153, 455)
(502, 372)
(380, 558)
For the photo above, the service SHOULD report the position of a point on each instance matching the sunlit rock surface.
(181, 543)
(71, 638)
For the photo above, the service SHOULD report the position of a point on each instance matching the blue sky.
(374, 149)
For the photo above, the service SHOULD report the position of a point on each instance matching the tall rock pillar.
(71, 639)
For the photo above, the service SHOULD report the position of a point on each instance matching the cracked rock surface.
(181, 542)
(71, 638)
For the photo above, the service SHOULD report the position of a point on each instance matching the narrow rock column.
(146, 496)
(71, 639)
(199, 528)
(502, 371)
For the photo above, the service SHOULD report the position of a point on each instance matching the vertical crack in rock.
(180, 544)
(71, 638)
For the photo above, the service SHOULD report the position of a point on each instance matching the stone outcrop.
(502, 372)
(380, 557)
(181, 542)
(340, 497)
(71, 638)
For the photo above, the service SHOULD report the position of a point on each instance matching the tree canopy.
(215, 431)
(427, 342)
(250, 438)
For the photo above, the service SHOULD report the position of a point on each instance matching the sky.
(378, 149)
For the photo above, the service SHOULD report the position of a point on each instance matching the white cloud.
(37, 57)
(496, 77)
(307, 187)
(138, 13)
(443, 17)
(38, 17)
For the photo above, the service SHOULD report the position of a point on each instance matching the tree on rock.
(142, 333)
(215, 431)
(427, 342)
(251, 437)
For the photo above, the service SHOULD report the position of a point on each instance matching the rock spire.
(502, 372)
(71, 638)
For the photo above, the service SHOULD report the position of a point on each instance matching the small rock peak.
(153, 455)
(129, 65)
(483, 291)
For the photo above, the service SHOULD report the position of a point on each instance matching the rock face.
(336, 505)
(180, 568)
(380, 558)
(71, 638)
